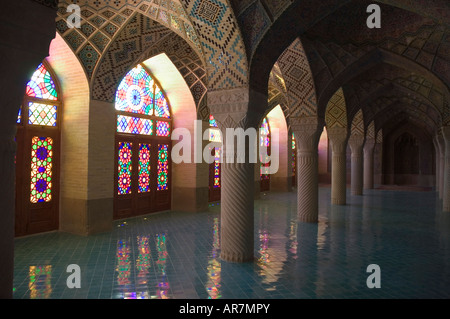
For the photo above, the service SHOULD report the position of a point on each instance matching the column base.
(86, 217)
(236, 258)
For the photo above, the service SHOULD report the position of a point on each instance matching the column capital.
(232, 108)
(338, 137)
(445, 130)
(307, 132)
(356, 142)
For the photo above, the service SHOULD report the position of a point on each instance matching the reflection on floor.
(177, 255)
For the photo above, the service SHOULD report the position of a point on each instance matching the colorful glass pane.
(265, 142)
(124, 168)
(41, 169)
(264, 133)
(217, 168)
(42, 114)
(163, 166)
(161, 105)
(144, 168)
(215, 135)
(41, 85)
(134, 125)
(212, 121)
(294, 155)
(19, 116)
(162, 128)
(135, 92)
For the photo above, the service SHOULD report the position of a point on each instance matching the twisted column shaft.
(438, 164)
(338, 138)
(307, 139)
(368, 163)
(356, 146)
(446, 171)
(440, 177)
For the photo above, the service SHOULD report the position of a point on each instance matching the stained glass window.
(42, 114)
(163, 166)
(294, 155)
(41, 169)
(215, 136)
(41, 85)
(19, 117)
(161, 105)
(265, 139)
(265, 142)
(135, 92)
(134, 125)
(212, 121)
(162, 128)
(214, 132)
(144, 168)
(125, 168)
(217, 168)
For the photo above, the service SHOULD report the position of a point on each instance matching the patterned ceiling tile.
(135, 37)
(110, 29)
(118, 19)
(254, 22)
(277, 7)
(88, 57)
(61, 26)
(74, 39)
(100, 40)
(371, 131)
(336, 112)
(358, 124)
(87, 29)
(223, 48)
(298, 79)
(97, 21)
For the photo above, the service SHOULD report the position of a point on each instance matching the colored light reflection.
(214, 266)
(162, 289)
(40, 283)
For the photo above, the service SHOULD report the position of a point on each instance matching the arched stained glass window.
(41, 99)
(144, 127)
(37, 159)
(41, 85)
(135, 92)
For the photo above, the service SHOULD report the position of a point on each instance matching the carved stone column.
(237, 209)
(338, 138)
(369, 146)
(307, 133)
(446, 170)
(441, 144)
(356, 145)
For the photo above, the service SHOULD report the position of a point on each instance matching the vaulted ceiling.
(299, 53)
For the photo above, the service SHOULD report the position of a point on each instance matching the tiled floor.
(176, 255)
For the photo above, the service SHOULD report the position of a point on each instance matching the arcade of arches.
(88, 113)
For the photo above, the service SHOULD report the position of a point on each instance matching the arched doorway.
(143, 146)
(37, 157)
